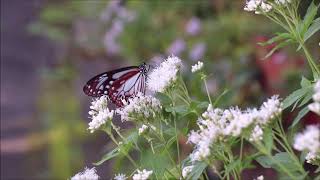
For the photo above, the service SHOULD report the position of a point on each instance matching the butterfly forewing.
(117, 84)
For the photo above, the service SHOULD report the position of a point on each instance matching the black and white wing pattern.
(118, 84)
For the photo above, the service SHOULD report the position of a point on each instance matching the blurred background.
(49, 49)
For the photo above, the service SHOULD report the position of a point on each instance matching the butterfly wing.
(117, 84)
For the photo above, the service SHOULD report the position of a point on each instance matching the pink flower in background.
(197, 52)
(193, 26)
(110, 39)
(177, 47)
(112, 7)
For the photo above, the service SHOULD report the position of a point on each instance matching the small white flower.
(186, 171)
(308, 140)
(315, 106)
(101, 118)
(261, 177)
(87, 174)
(311, 158)
(257, 6)
(164, 75)
(143, 129)
(99, 113)
(256, 134)
(270, 109)
(120, 177)
(142, 175)
(282, 2)
(140, 107)
(197, 67)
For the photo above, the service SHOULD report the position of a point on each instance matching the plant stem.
(314, 67)
(125, 153)
(208, 94)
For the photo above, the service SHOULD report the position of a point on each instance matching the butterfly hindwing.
(117, 84)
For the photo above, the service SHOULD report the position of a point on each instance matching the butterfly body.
(118, 84)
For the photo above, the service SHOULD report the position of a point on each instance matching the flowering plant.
(222, 142)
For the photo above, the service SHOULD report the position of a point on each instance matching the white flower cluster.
(217, 124)
(87, 174)
(140, 107)
(197, 67)
(261, 177)
(99, 113)
(282, 2)
(120, 177)
(309, 140)
(257, 6)
(311, 158)
(256, 134)
(315, 106)
(164, 75)
(264, 6)
(186, 171)
(142, 175)
(144, 128)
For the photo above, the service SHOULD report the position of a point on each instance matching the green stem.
(314, 67)
(118, 132)
(124, 153)
(208, 94)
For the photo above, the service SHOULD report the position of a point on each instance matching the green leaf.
(181, 109)
(164, 99)
(264, 161)
(202, 105)
(278, 37)
(307, 97)
(197, 170)
(308, 18)
(295, 96)
(268, 139)
(301, 114)
(305, 82)
(315, 27)
(303, 157)
(215, 103)
(115, 152)
(280, 45)
(284, 159)
(231, 166)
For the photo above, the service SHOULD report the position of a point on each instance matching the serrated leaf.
(280, 45)
(295, 96)
(304, 82)
(306, 98)
(301, 114)
(315, 27)
(308, 18)
(264, 161)
(217, 100)
(284, 159)
(164, 99)
(279, 37)
(115, 152)
(197, 170)
(181, 109)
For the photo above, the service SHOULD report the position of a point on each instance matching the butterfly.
(118, 84)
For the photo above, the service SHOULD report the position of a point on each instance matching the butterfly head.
(144, 68)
